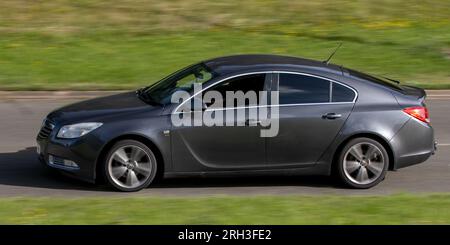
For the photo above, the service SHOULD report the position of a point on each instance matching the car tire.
(130, 166)
(362, 163)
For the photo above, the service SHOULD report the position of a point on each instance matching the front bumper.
(82, 151)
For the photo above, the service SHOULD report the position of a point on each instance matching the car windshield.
(182, 80)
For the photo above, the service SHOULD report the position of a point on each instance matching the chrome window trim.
(262, 106)
(279, 105)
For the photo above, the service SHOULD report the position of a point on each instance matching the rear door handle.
(331, 116)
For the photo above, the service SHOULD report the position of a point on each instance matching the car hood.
(109, 106)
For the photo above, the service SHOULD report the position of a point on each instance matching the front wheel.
(130, 166)
(362, 163)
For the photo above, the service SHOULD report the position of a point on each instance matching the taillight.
(418, 112)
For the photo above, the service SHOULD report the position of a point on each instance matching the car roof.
(237, 63)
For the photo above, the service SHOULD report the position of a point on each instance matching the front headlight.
(77, 130)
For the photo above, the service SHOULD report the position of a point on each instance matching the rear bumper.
(406, 161)
(413, 144)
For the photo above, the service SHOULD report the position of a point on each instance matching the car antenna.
(332, 54)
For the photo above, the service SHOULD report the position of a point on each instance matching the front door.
(233, 147)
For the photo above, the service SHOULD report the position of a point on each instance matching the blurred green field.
(99, 44)
(394, 209)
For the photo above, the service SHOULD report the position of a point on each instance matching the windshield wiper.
(146, 97)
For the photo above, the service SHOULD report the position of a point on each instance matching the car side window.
(341, 93)
(247, 84)
(302, 89)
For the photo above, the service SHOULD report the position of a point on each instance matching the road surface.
(22, 175)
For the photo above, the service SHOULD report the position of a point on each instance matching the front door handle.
(331, 116)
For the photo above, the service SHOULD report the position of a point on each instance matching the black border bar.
(123, 234)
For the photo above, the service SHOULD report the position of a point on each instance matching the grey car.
(331, 121)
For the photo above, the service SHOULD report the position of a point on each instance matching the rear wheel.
(130, 166)
(362, 163)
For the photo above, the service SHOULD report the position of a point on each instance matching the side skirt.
(318, 169)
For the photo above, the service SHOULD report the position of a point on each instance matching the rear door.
(312, 111)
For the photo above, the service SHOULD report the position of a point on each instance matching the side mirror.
(198, 75)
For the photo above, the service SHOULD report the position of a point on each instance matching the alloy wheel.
(363, 163)
(130, 166)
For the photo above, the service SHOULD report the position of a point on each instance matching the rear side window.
(301, 89)
(341, 93)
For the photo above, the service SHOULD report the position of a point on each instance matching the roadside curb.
(438, 93)
(73, 95)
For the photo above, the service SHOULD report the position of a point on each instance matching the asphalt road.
(22, 175)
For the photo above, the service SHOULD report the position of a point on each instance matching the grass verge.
(89, 45)
(392, 209)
